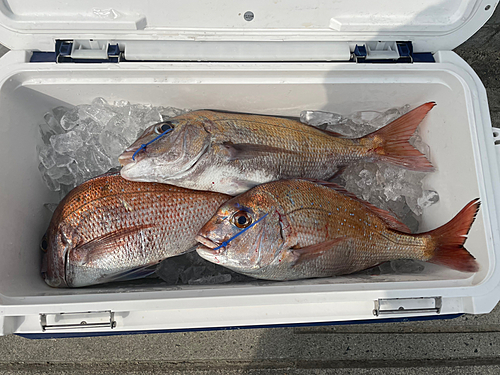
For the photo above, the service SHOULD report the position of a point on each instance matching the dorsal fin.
(293, 118)
(329, 132)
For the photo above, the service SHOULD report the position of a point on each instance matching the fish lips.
(210, 250)
(52, 279)
(209, 245)
(128, 158)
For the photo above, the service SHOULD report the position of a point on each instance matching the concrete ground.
(466, 345)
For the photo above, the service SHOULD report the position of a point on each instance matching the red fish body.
(309, 229)
(109, 229)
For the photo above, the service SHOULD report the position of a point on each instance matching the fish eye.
(163, 127)
(44, 245)
(241, 219)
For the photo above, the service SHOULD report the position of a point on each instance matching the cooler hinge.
(78, 320)
(416, 305)
(80, 51)
(389, 52)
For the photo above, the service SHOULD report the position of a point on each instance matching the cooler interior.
(31, 90)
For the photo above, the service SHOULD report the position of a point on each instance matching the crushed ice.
(192, 269)
(85, 141)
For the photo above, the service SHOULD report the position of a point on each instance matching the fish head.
(87, 266)
(245, 234)
(56, 245)
(166, 150)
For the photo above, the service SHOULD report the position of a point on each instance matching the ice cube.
(53, 123)
(82, 157)
(59, 112)
(46, 156)
(81, 177)
(122, 103)
(364, 117)
(66, 143)
(190, 268)
(62, 160)
(138, 111)
(131, 133)
(170, 270)
(113, 144)
(411, 189)
(406, 266)
(89, 129)
(122, 107)
(398, 207)
(56, 172)
(70, 119)
(428, 198)
(49, 182)
(192, 273)
(125, 127)
(414, 206)
(151, 117)
(385, 268)
(170, 112)
(411, 221)
(97, 160)
(68, 179)
(100, 102)
(355, 125)
(384, 118)
(418, 203)
(45, 133)
(416, 141)
(216, 279)
(99, 113)
(317, 118)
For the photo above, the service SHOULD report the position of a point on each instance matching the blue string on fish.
(144, 145)
(225, 243)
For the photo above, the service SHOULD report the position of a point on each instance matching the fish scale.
(109, 226)
(311, 145)
(301, 229)
(344, 221)
(230, 153)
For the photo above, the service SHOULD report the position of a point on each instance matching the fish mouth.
(209, 244)
(127, 156)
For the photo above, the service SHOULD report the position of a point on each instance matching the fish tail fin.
(390, 143)
(449, 240)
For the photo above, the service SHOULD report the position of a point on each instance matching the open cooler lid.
(431, 25)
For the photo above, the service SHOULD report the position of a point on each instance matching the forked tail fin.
(390, 143)
(450, 238)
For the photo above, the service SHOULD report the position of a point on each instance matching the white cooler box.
(254, 56)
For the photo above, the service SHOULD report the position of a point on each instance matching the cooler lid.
(431, 25)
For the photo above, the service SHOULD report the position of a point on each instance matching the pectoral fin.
(309, 253)
(240, 151)
(109, 241)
